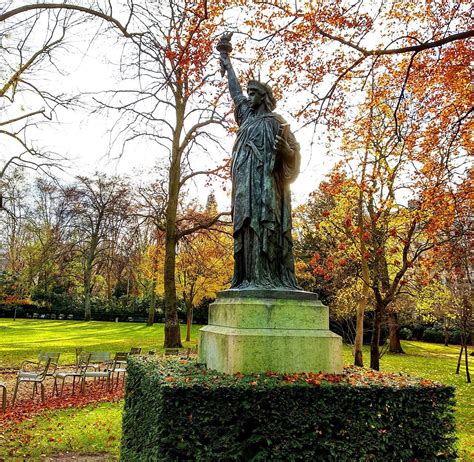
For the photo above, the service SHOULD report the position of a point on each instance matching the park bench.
(183, 353)
(171, 351)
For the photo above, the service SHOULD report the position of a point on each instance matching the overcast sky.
(83, 137)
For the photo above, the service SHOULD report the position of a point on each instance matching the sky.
(83, 137)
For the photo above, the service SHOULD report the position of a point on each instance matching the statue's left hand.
(282, 147)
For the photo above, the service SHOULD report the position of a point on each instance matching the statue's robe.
(261, 206)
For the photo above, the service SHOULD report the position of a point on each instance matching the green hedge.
(181, 412)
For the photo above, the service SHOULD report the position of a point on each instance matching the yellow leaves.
(204, 265)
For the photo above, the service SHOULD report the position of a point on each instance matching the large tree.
(395, 195)
(100, 207)
(176, 109)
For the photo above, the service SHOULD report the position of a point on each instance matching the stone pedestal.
(254, 331)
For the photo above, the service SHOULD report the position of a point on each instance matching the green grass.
(25, 338)
(95, 429)
(100, 425)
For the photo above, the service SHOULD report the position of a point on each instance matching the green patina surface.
(252, 335)
(253, 313)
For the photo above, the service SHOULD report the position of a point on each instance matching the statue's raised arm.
(225, 47)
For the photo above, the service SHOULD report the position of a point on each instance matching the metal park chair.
(36, 377)
(135, 351)
(3, 387)
(119, 366)
(100, 360)
(100, 363)
(81, 366)
(171, 351)
(43, 357)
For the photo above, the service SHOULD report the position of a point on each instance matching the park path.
(79, 457)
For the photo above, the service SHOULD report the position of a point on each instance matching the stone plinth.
(253, 331)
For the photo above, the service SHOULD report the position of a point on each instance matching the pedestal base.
(257, 331)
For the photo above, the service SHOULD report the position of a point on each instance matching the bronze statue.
(265, 160)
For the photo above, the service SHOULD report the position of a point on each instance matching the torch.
(224, 47)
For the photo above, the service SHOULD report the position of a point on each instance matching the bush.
(436, 335)
(405, 333)
(182, 412)
(431, 334)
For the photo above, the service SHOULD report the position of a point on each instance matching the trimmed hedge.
(178, 411)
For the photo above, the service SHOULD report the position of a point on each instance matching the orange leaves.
(319, 271)
(316, 258)
(26, 408)
(366, 236)
(348, 222)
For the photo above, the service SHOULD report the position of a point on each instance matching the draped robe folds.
(261, 205)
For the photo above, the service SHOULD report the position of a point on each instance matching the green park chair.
(100, 360)
(81, 366)
(119, 366)
(99, 368)
(43, 357)
(36, 377)
(3, 387)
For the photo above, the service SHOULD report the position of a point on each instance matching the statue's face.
(255, 98)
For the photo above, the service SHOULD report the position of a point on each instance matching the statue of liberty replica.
(265, 321)
(265, 160)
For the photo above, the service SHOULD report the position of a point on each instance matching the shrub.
(405, 333)
(183, 412)
(431, 334)
(435, 335)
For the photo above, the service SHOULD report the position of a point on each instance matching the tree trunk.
(189, 320)
(468, 375)
(359, 337)
(152, 309)
(395, 345)
(446, 332)
(109, 285)
(89, 265)
(172, 331)
(375, 341)
(460, 357)
(87, 294)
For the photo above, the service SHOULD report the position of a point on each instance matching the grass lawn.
(25, 338)
(56, 431)
(91, 430)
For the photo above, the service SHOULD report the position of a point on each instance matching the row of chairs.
(97, 365)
